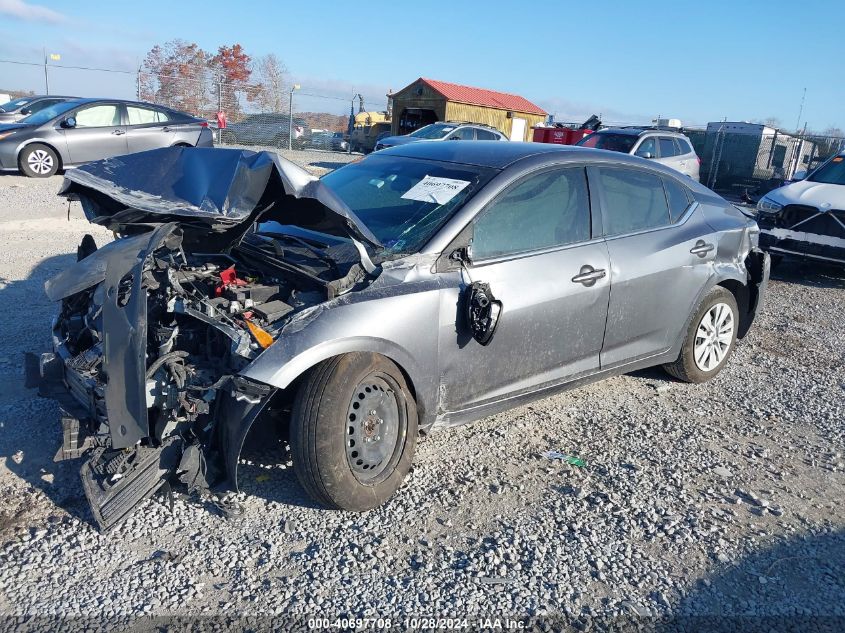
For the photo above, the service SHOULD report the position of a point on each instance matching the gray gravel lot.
(716, 499)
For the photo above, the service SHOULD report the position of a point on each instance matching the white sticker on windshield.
(436, 190)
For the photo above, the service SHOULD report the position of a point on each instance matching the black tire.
(321, 434)
(685, 367)
(38, 161)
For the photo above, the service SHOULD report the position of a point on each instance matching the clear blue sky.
(698, 61)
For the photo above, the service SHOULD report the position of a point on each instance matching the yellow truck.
(368, 127)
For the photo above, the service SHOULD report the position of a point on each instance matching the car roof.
(639, 131)
(491, 154)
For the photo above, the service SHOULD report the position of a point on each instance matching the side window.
(648, 148)
(677, 197)
(682, 147)
(464, 134)
(543, 210)
(98, 116)
(142, 116)
(485, 135)
(634, 201)
(667, 147)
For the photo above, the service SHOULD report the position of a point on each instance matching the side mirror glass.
(69, 122)
(26, 111)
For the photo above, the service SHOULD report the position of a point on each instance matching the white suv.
(673, 149)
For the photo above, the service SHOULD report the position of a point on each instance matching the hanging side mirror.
(483, 312)
(69, 122)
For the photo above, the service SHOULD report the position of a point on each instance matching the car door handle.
(701, 248)
(589, 275)
(118, 132)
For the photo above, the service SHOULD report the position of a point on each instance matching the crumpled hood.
(816, 194)
(208, 190)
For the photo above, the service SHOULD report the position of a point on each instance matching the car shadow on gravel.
(812, 274)
(31, 429)
(797, 584)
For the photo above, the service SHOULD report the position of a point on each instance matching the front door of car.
(661, 256)
(547, 278)
(98, 133)
(147, 128)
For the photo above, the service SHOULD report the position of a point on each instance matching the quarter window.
(485, 135)
(142, 116)
(667, 147)
(543, 210)
(676, 196)
(98, 116)
(634, 201)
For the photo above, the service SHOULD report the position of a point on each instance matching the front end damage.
(155, 328)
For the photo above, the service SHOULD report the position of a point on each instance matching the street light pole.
(46, 78)
(290, 116)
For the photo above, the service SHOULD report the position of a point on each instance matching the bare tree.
(270, 93)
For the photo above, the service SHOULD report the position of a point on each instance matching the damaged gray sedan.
(422, 287)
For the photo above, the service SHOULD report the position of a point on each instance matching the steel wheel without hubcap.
(375, 423)
(40, 162)
(714, 337)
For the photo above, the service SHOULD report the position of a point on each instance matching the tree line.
(182, 75)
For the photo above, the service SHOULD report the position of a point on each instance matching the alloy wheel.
(40, 162)
(713, 337)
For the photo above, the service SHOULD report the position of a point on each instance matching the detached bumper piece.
(115, 481)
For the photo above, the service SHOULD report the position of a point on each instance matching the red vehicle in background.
(562, 134)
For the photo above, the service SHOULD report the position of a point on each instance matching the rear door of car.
(149, 128)
(661, 255)
(691, 164)
(534, 246)
(99, 132)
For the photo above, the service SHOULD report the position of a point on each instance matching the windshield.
(51, 112)
(609, 140)
(404, 201)
(833, 173)
(14, 104)
(433, 131)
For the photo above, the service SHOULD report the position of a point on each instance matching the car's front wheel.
(38, 161)
(353, 431)
(710, 338)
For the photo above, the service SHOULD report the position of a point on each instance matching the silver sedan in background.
(78, 131)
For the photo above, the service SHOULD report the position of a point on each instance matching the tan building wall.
(494, 118)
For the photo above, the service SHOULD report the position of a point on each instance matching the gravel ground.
(716, 499)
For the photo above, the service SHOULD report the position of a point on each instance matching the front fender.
(401, 327)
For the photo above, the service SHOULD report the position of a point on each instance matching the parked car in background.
(421, 287)
(445, 132)
(806, 218)
(77, 131)
(270, 129)
(669, 148)
(20, 108)
(334, 141)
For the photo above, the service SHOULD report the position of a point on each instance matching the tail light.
(699, 160)
(203, 123)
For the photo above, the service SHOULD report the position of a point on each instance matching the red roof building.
(428, 100)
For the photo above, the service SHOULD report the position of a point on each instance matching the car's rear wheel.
(38, 161)
(710, 338)
(353, 431)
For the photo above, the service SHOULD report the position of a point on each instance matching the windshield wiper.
(313, 246)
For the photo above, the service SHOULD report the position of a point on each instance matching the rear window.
(683, 146)
(612, 141)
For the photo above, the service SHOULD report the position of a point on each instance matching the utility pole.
(801, 110)
(290, 116)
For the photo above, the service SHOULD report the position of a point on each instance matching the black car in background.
(269, 129)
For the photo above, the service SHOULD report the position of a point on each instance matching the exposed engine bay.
(152, 332)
